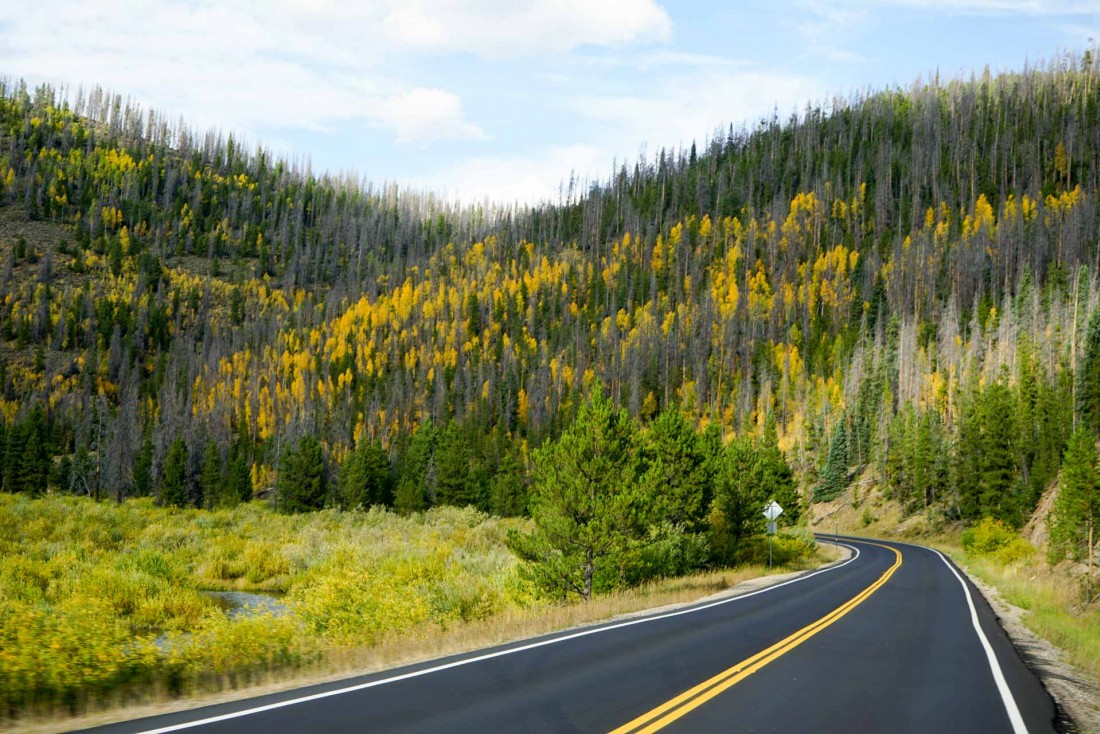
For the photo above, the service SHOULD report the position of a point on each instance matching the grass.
(100, 604)
(1052, 601)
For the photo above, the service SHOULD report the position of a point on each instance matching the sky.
(502, 100)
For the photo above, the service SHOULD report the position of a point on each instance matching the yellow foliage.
(94, 596)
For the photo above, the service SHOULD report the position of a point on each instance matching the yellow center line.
(695, 697)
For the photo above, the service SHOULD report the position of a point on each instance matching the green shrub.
(96, 597)
(996, 540)
(789, 545)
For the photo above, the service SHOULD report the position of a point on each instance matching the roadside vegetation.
(94, 597)
(1059, 603)
(101, 604)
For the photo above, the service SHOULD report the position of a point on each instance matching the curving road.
(893, 640)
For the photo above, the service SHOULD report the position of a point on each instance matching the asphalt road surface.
(894, 640)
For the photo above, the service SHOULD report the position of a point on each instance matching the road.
(893, 640)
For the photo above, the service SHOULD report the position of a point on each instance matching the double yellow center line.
(693, 698)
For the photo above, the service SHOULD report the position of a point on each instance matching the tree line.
(904, 275)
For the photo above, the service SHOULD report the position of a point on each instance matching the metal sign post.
(771, 512)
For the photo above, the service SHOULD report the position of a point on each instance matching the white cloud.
(684, 108)
(677, 108)
(304, 64)
(524, 179)
(493, 28)
(424, 115)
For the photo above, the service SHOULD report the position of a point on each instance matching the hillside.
(901, 280)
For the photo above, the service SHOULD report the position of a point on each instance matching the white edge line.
(499, 653)
(1011, 708)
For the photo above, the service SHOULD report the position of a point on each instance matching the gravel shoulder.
(1077, 696)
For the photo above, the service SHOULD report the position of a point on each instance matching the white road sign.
(773, 510)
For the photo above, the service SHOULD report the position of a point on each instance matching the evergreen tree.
(834, 478)
(968, 454)
(239, 479)
(210, 480)
(454, 485)
(173, 486)
(775, 477)
(1000, 485)
(585, 505)
(676, 477)
(1088, 378)
(365, 477)
(1077, 508)
(416, 469)
(4, 466)
(32, 465)
(737, 501)
(143, 468)
(302, 483)
(409, 497)
(508, 495)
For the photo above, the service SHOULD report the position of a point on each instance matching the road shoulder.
(1077, 697)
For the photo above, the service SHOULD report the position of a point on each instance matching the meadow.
(102, 605)
(104, 600)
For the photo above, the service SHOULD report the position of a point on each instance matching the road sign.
(771, 527)
(773, 510)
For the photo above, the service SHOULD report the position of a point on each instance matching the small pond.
(248, 603)
(237, 604)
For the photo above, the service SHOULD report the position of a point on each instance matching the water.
(242, 604)
(248, 603)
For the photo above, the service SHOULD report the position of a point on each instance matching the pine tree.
(173, 486)
(1088, 378)
(775, 477)
(5, 466)
(365, 477)
(737, 500)
(1077, 508)
(676, 479)
(1000, 494)
(409, 497)
(968, 454)
(33, 460)
(834, 478)
(453, 477)
(302, 484)
(508, 495)
(416, 470)
(238, 473)
(584, 504)
(211, 481)
(143, 468)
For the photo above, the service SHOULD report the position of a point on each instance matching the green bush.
(994, 539)
(789, 545)
(101, 597)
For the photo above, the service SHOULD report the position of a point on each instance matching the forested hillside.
(903, 279)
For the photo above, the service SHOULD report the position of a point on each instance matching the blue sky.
(502, 99)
